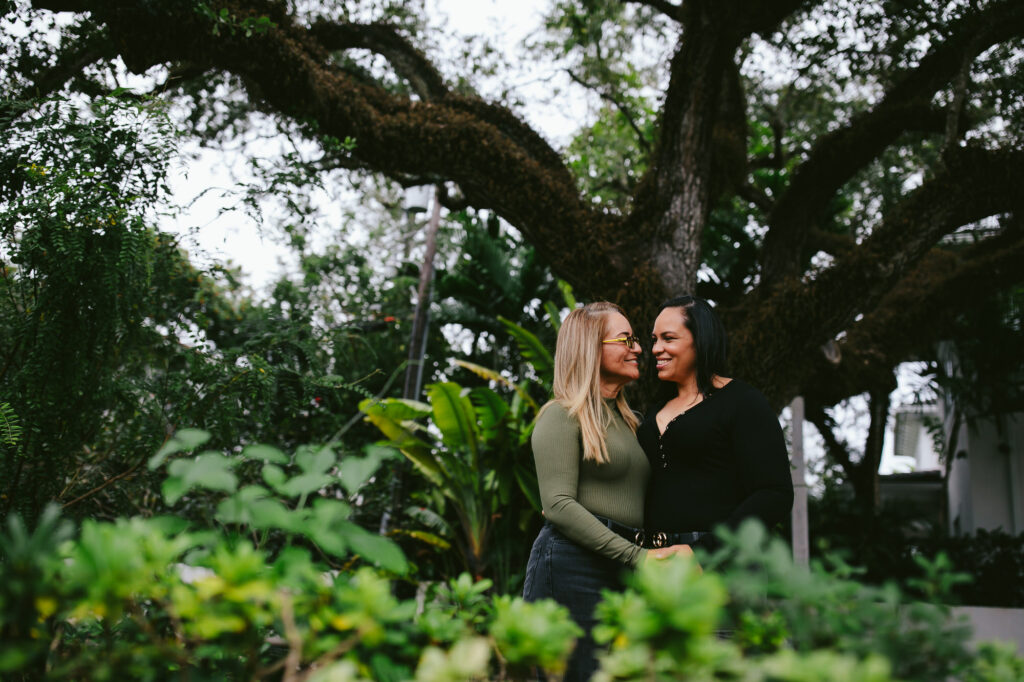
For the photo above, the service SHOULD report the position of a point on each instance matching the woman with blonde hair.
(592, 473)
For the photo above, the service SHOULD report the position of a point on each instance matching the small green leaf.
(354, 472)
(210, 470)
(315, 460)
(173, 489)
(183, 439)
(325, 525)
(374, 548)
(274, 476)
(266, 453)
(304, 484)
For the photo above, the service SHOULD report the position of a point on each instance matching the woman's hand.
(663, 553)
(666, 552)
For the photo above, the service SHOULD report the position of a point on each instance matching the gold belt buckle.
(659, 540)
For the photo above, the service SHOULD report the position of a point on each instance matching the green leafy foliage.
(752, 614)
(151, 599)
(986, 567)
(116, 339)
(78, 263)
(304, 498)
(477, 460)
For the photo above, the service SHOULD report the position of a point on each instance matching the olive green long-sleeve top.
(572, 491)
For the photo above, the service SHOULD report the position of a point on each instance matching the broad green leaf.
(567, 295)
(455, 416)
(183, 439)
(492, 375)
(425, 460)
(304, 484)
(375, 549)
(490, 408)
(266, 453)
(397, 409)
(430, 518)
(315, 460)
(532, 349)
(416, 450)
(428, 538)
(527, 480)
(485, 372)
(210, 470)
(553, 315)
(354, 472)
(274, 476)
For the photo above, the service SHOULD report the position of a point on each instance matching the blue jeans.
(560, 569)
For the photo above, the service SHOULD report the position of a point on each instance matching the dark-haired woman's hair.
(710, 342)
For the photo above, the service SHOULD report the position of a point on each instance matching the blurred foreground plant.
(257, 595)
(751, 614)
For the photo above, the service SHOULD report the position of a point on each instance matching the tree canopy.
(814, 158)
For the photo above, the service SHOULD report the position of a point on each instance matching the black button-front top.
(720, 462)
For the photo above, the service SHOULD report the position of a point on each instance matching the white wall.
(986, 489)
(993, 624)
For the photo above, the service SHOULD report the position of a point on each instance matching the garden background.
(328, 475)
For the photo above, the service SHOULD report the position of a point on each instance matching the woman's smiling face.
(620, 362)
(675, 355)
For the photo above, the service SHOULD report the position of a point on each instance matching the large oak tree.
(826, 307)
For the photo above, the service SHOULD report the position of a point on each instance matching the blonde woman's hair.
(577, 385)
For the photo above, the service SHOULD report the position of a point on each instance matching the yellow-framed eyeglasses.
(627, 341)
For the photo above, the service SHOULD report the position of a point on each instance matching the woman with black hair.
(716, 450)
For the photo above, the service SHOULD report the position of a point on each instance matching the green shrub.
(281, 585)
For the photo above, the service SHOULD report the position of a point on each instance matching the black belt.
(634, 535)
(648, 539)
(657, 539)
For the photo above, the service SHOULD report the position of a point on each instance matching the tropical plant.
(476, 457)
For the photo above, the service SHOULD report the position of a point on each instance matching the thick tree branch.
(498, 162)
(764, 17)
(703, 121)
(838, 156)
(916, 314)
(977, 183)
(386, 41)
(830, 242)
